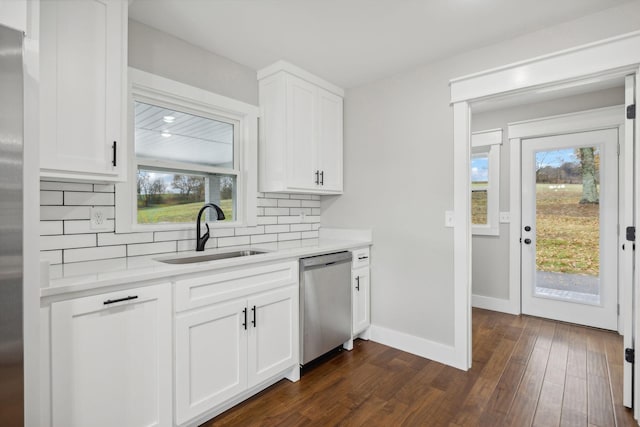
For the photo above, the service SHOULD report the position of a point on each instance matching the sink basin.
(209, 257)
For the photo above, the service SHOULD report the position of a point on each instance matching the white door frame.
(583, 121)
(619, 55)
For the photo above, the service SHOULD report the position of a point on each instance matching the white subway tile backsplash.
(298, 211)
(245, 231)
(290, 219)
(310, 234)
(276, 195)
(163, 236)
(151, 248)
(276, 211)
(219, 232)
(233, 241)
(48, 228)
(108, 239)
(288, 203)
(64, 212)
(276, 229)
(66, 186)
(289, 236)
(50, 198)
(72, 198)
(67, 237)
(92, 254)
(310, 203)
(54, 257)
(265, 220)
(300, 227)
(272, 203)
(104, 188)
(264, 238)
(65, 242)
(84, 226)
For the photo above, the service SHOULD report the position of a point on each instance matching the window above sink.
(187, 147)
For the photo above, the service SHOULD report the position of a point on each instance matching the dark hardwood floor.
(526, 371)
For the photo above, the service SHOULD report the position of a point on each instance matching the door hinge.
(631, 234)
(630, 355)
(631, 111)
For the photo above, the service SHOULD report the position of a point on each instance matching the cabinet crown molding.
(299, 72)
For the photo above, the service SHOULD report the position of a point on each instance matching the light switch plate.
(99, 218)
(449, 220)
(505, 217)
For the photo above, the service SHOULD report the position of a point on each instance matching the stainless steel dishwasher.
(325, 304)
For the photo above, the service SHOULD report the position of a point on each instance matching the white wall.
(490, 270)
(398, 172)
(165, 55)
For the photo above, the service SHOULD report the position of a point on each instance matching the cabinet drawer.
(360, 257)
(225, 285)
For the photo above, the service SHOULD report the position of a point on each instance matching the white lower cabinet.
(211, 358)
(225, 350)
(111, 359)
(360, 298)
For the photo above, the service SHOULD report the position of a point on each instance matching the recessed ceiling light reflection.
(168, 119)
(165, 134)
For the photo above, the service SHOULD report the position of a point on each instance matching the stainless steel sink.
(209, 257)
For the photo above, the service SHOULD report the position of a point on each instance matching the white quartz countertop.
(83, 277)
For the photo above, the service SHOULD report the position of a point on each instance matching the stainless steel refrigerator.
(11, 228)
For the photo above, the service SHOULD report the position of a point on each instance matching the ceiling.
(352, 42)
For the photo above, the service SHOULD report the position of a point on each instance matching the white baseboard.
(419, 346)
(494, 304)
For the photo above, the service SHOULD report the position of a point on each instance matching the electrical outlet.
(505, 217)
(449, 220)
(98, 218)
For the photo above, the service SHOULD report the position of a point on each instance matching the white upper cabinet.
(83, 59)
(300, 132)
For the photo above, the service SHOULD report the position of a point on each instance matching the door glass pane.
(165, 134)
(568, 224)
(479, 187)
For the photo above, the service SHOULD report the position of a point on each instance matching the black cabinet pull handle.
(317, 177)
(322, 178)
(113, 301)
(358, 283)
(253, 322)
(244, 311)
(527, 241)
(114, 147)
(363, 257)
(527, 228)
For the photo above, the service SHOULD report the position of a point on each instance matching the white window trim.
(489, 141)
(147, 87)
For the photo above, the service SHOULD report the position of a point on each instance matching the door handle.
(527, 241)
(253, 322)
(321, 177)
(358, 283)
(244, 311)
(317, 177)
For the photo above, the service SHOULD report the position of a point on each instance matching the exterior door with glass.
(569, 227)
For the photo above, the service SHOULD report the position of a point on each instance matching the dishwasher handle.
(323, 260)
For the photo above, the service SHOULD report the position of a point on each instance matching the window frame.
(489, 141)
(155, 90)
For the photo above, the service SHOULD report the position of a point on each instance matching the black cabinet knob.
(527, 241)
(527, 228)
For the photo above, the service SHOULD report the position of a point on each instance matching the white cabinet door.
(329, 140)
(211, 357)
(301, 152)
(82, 64)
(360, 298)
(111, 359)
(273, 329)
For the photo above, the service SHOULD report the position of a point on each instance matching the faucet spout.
(201, 241)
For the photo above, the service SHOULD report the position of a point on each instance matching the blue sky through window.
(480, 168)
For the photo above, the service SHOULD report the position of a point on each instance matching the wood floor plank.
(527, 371)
